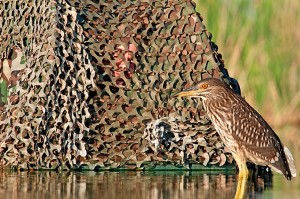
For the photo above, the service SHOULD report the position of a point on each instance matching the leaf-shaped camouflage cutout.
(206, 158)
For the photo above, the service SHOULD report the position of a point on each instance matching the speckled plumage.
(242, 129)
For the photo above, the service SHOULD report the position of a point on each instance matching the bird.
(242, 129)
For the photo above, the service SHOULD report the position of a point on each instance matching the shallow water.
(137, 185)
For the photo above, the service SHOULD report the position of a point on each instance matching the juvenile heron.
(242, 129)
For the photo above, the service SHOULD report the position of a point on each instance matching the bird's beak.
(187, 92)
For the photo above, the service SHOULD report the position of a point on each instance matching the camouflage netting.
(89, 84)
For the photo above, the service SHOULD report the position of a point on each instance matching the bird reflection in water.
(261, 179)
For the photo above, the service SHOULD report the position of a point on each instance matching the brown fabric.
(97, 73)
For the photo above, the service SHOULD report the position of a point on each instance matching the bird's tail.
(290, 160)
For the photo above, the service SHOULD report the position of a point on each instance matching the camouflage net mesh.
(89, 82)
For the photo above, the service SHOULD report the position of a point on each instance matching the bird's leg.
(242, 180)
(244, 174)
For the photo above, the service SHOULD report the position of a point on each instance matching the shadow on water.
(132, 185)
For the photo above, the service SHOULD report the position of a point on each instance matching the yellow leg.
(242, 180)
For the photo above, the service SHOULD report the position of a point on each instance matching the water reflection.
(133, 185)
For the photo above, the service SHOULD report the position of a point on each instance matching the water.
(138, 185)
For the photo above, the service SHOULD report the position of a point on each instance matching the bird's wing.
(258, 139)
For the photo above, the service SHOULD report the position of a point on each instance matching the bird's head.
(205, 88)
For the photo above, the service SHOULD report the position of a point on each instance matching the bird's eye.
(204, 86)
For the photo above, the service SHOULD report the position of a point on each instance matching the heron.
(242, 129)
